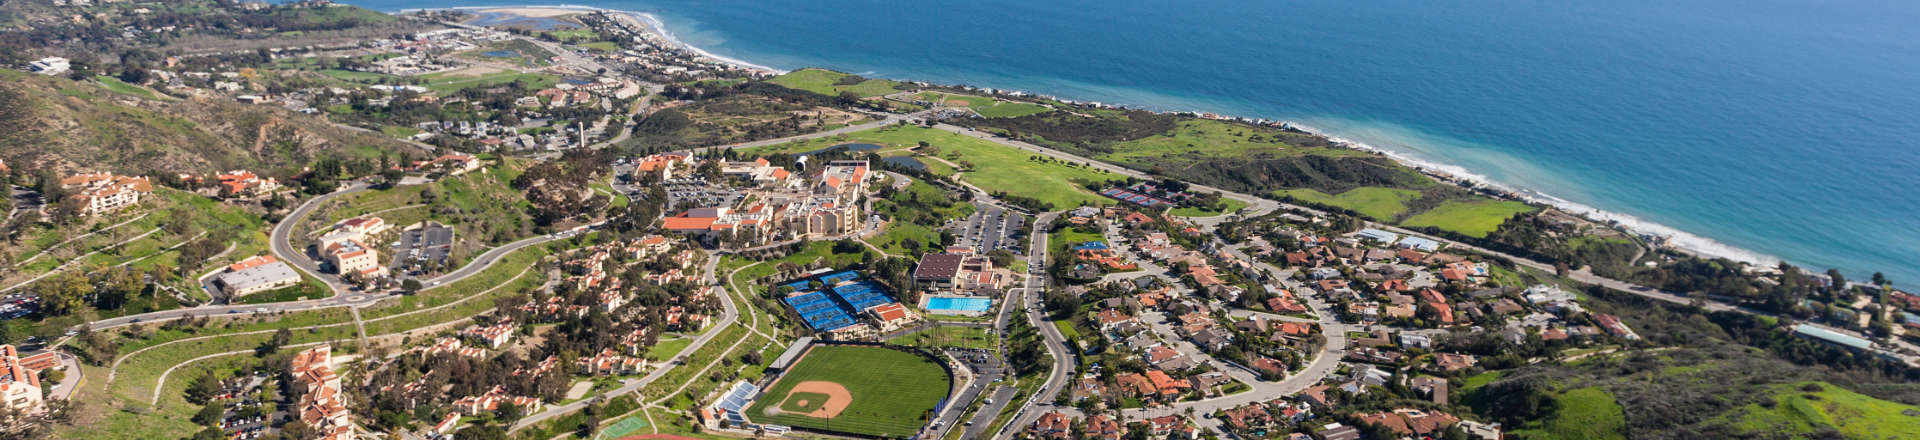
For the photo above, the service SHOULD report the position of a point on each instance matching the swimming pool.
(956, 305)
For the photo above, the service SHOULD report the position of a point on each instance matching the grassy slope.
(890, 389)
(1853, 414)
(1585, 413)
(1380, 203)
(106, 125)
(824, 82)
(1473, 217)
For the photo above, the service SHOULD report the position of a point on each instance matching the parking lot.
(18, 305)
(697, 192)
(432, 242)
(991, 228)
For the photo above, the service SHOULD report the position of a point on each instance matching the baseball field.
(855, 390)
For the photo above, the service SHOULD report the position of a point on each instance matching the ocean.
(1755, 129)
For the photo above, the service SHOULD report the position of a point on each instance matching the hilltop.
(62, 124)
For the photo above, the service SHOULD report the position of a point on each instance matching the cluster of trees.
(559, 190)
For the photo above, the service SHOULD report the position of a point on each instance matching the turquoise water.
(1784, 127)
(952, 305)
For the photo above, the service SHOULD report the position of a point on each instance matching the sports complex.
(865, 390)
(839, 302)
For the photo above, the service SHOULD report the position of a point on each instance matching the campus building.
(323, 407)
(19, 385)
(100, 193)
(258, 274)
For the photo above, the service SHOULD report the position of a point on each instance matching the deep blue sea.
(1790, 128)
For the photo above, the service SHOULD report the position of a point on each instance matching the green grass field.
(443, 82)
(1231, 206)
(1585, 413)
(1853, 414)
(964, 337)
(117, 86)
(986, 107)
(1475, 218)
(892, 390)
(996, 168)
(1206, 138)
(825, 82)
(1377, 202)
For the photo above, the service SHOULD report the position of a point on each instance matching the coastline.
(1669, 237)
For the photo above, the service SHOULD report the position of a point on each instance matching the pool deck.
(927, 299)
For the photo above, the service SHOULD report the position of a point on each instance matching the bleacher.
(736, 399)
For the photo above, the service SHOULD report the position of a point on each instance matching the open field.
(1584, 413)
(472, 77)
(986, 107)
(892, 391)
(827, 82)
(962, 337)
(1853, 414)
(1474, 218)
(1206, 138)
(1230, 206)
(1383, 204)
(995, 168)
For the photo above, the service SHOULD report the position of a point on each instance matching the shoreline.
(1670, 237)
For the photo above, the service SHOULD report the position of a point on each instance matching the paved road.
(983, 418)
(343, 296)
(1063, 360)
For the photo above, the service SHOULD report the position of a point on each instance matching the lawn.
(893, 391)
(1065, 238)
(987, 107)
(1853, 414)
(995, 168)
(603, 46)
(963, 337)
(117, 86)
(1205, 138)
(1584, 413)
(452, 81)
(827, 82)
(1474, 218)
(1229, 205)
(1372, 201)
(665, 348)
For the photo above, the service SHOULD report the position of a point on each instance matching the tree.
(210, 414)
(202, 389)
(411, 285)
(65, 293)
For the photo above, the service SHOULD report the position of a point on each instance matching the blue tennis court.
(862, 295)
(820, 311)
(837, 277)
